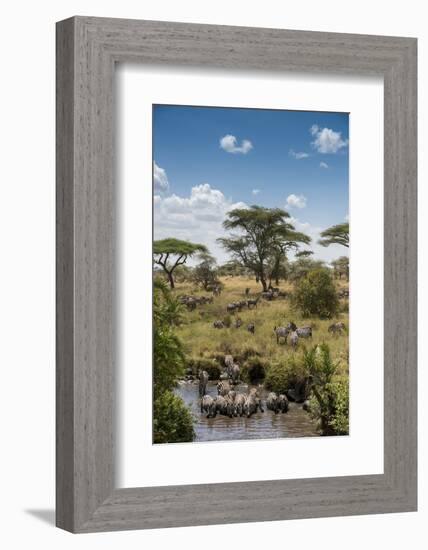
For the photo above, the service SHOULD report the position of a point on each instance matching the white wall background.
(27, 270)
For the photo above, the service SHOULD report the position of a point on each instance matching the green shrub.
(329, 404)
(172, 420)
(247, 351)
(335, 421)
(198, 364)
(315, 294)
(168, 356)
(254, 369)
(285, 374)
(277, 378)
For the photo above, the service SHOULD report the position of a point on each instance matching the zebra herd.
(192, 301)
(230, 403)
(293, 331)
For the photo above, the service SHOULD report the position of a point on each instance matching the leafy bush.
(204, 363)
(285, 374)
(253, 369)
(335, 420)
(329, 403)
(173, 421)
(277, 378)
(167, 348)
(315, 294)
(247, 351)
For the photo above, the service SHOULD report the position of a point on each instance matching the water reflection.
(267, 425)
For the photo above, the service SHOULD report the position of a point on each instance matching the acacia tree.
(263, 240)
(170, 253)
(341, 267)
(304, 254)
(287, 239)
(336, 234)
(205, 273)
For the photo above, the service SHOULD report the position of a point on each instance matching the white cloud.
(327, 140)
(255, 191)
(326, 254)
(323, 165)
(230, 145)
(298, 201)
(160, 179)
(197, 218)
(298, 156)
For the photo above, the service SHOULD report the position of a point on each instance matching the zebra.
(283, 404)
(253, 302)
(336, 328)
(228, 361)
(272, 402)
(208, 405)
(253, 403)
(281, 332)
(223, 388)
(304, 332)
(239, 404)
(218, 324)
(235, 372)
(294, 339)
(238, 322)
(203, 381)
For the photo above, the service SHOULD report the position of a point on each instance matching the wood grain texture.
(87, 49)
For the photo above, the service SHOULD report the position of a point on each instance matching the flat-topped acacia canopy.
(174, 247)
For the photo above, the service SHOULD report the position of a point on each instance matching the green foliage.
(315, 294)
(301, 267)
(175, 246)
(205, 273)
(166, 249)
(337, 234)
(341, 267)
(264, 238)
(247, 350)
(167, 310)
(254, 369)
(304, 253)
(167, 348)
(283, 375)
(329, 403)
(172, 419)
(198, 364)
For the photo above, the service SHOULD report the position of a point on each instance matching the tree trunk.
(263, 281)
(170, 279)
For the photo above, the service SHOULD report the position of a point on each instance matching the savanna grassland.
(202, 341)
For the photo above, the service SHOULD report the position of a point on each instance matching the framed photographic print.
(236, 274)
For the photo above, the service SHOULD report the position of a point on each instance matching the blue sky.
(208, 160)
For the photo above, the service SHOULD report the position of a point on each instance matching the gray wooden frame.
(87, 50)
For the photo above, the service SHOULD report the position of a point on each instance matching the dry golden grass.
(201, 339)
